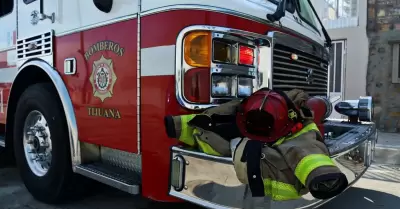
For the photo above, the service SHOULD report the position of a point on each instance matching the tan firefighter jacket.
(200, 131)
(291, 167)
(206, 141)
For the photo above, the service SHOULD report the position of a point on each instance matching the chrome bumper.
(211, 181)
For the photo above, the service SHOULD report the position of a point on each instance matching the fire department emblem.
(103, 78)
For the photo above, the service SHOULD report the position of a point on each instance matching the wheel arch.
(37, 71)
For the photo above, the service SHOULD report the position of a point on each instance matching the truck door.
(36, 16)
(98, 62)
(336, 73)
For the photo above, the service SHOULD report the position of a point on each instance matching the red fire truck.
(85, 85)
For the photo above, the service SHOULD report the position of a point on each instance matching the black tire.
(57, 184)
(3, 157)
(6, 159)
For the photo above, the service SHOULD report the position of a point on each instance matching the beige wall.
(357, 54)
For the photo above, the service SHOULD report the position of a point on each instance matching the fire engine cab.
(85, 85)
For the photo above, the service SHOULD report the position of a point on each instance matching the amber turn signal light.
(197, 49)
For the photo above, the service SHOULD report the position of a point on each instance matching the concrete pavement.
(380, 185)
(13, 195)
(388, 149)
(378, 189)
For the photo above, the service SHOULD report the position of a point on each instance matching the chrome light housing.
(361, 108)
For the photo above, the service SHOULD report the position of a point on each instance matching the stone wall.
(383, 29)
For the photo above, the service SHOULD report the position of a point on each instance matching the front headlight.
(229, 86)
(221, 86)
(245, 86)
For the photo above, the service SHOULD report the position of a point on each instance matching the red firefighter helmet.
(267, 115)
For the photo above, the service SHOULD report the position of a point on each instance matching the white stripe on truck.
(158, 61)
(7, 75)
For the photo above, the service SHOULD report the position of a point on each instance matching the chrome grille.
(289, 74)
(35, 46)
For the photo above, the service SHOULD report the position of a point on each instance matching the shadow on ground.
(107, 197)
(387, 173)
(358, 198)
(13, 195)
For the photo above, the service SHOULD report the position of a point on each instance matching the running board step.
(122, 179)
(2, 141)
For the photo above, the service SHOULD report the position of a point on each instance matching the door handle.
(70, 66)
(51, 17)
(37, 16)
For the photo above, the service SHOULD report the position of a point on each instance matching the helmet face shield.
(259, 123)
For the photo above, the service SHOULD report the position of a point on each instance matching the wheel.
(41, 145)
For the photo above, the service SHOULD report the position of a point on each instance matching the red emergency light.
(246, 55)
(197, 85)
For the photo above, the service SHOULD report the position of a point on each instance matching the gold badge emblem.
(103, 78)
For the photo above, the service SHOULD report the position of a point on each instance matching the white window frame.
(338, 21)
(395, 64)
(342, 68)
(340, 8)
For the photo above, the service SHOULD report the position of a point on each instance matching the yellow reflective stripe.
(280, 191)
(309, 163)
(186, 130)
(207, 149)
(279, 142)
(307, 128)
(204, 147)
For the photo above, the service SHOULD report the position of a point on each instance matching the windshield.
(305, 12)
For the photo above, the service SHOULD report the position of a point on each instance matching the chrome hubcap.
(37, 143)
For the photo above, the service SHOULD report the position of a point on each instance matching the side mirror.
(291, 6)
(103, 5)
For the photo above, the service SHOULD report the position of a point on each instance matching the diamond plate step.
(2, 141)
(122, 179)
